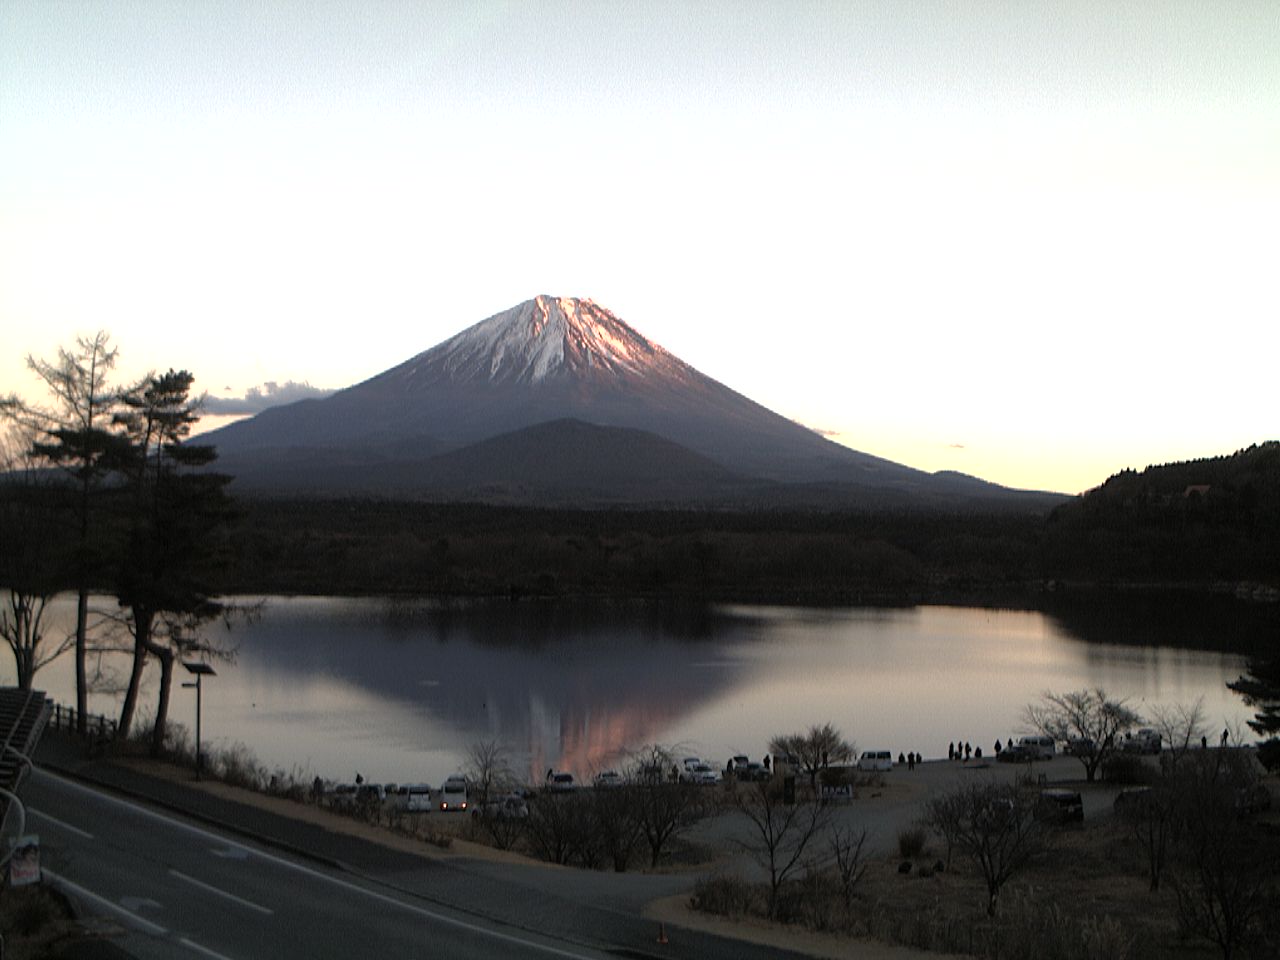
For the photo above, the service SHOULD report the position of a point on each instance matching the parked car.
(687, 767)
(453, 794)
(875, 760)
(754, 772)
(1059, 807)
(417, 797)
(1039, 747)
(1079, 747)
(1132, 802)
(607, 778)
(703, 773)
(370, 795)
(1145, 740)
(560, 781)
(1016, 753)
(507, 806)
(341, 797)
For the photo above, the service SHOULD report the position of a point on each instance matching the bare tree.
(32, 559)
(782, 833)
(1182, 727)
(558, 825)
(76, 436)
(614, 816)
(488, 770)
(503, 828)
(847, 847)
(1151, 815)
(815, 750)
(993, 825)
(944, 814)
(1225, 873)
(1089, 720)
(664, 808)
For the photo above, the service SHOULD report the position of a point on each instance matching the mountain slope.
(546, 360)
(559, 462)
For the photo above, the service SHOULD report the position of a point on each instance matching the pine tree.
(175, 512)
(1260, 688)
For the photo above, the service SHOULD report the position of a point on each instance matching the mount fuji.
(557, 400)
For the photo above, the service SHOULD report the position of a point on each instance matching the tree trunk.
(82, 644)
(142, 620)
(22, 661)
(162, 706)
(26, 668)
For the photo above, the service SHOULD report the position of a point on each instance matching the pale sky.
(1034, 242)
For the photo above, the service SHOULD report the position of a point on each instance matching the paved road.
(172, 884)
(177, 888)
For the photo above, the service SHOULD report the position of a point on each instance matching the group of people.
(911, 759)
(963, 751)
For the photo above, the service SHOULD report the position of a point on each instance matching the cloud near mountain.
(257, 399)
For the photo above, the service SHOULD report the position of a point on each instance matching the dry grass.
(1086, 897)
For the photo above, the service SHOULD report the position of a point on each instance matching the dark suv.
(1059, 807)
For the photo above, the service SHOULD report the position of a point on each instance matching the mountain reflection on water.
(399, 690)
(559, 685)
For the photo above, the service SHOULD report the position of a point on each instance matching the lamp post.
(201, 670)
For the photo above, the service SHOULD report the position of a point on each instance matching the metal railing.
(100, 728)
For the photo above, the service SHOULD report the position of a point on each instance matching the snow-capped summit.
(545, 338)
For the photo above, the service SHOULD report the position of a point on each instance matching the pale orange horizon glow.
(1029, 242)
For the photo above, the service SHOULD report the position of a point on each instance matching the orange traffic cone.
(662, 933)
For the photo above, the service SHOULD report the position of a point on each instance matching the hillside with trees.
(1195, 522)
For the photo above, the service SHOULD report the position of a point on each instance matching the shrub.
(813, 901)
(1128, 768)
(911, 842)
(728, 895)
(437, 838)
(238, 766)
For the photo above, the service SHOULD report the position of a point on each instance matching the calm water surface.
(397, 690)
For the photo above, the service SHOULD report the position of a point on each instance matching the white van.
(1038, 748)
(453, 795)
(875, 760)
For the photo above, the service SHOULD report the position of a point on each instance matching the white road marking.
(221, 893)
(192, 945)
(62, 823)
(335, 881)
(131, 918)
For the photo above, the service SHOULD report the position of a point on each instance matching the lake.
(397, 689)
